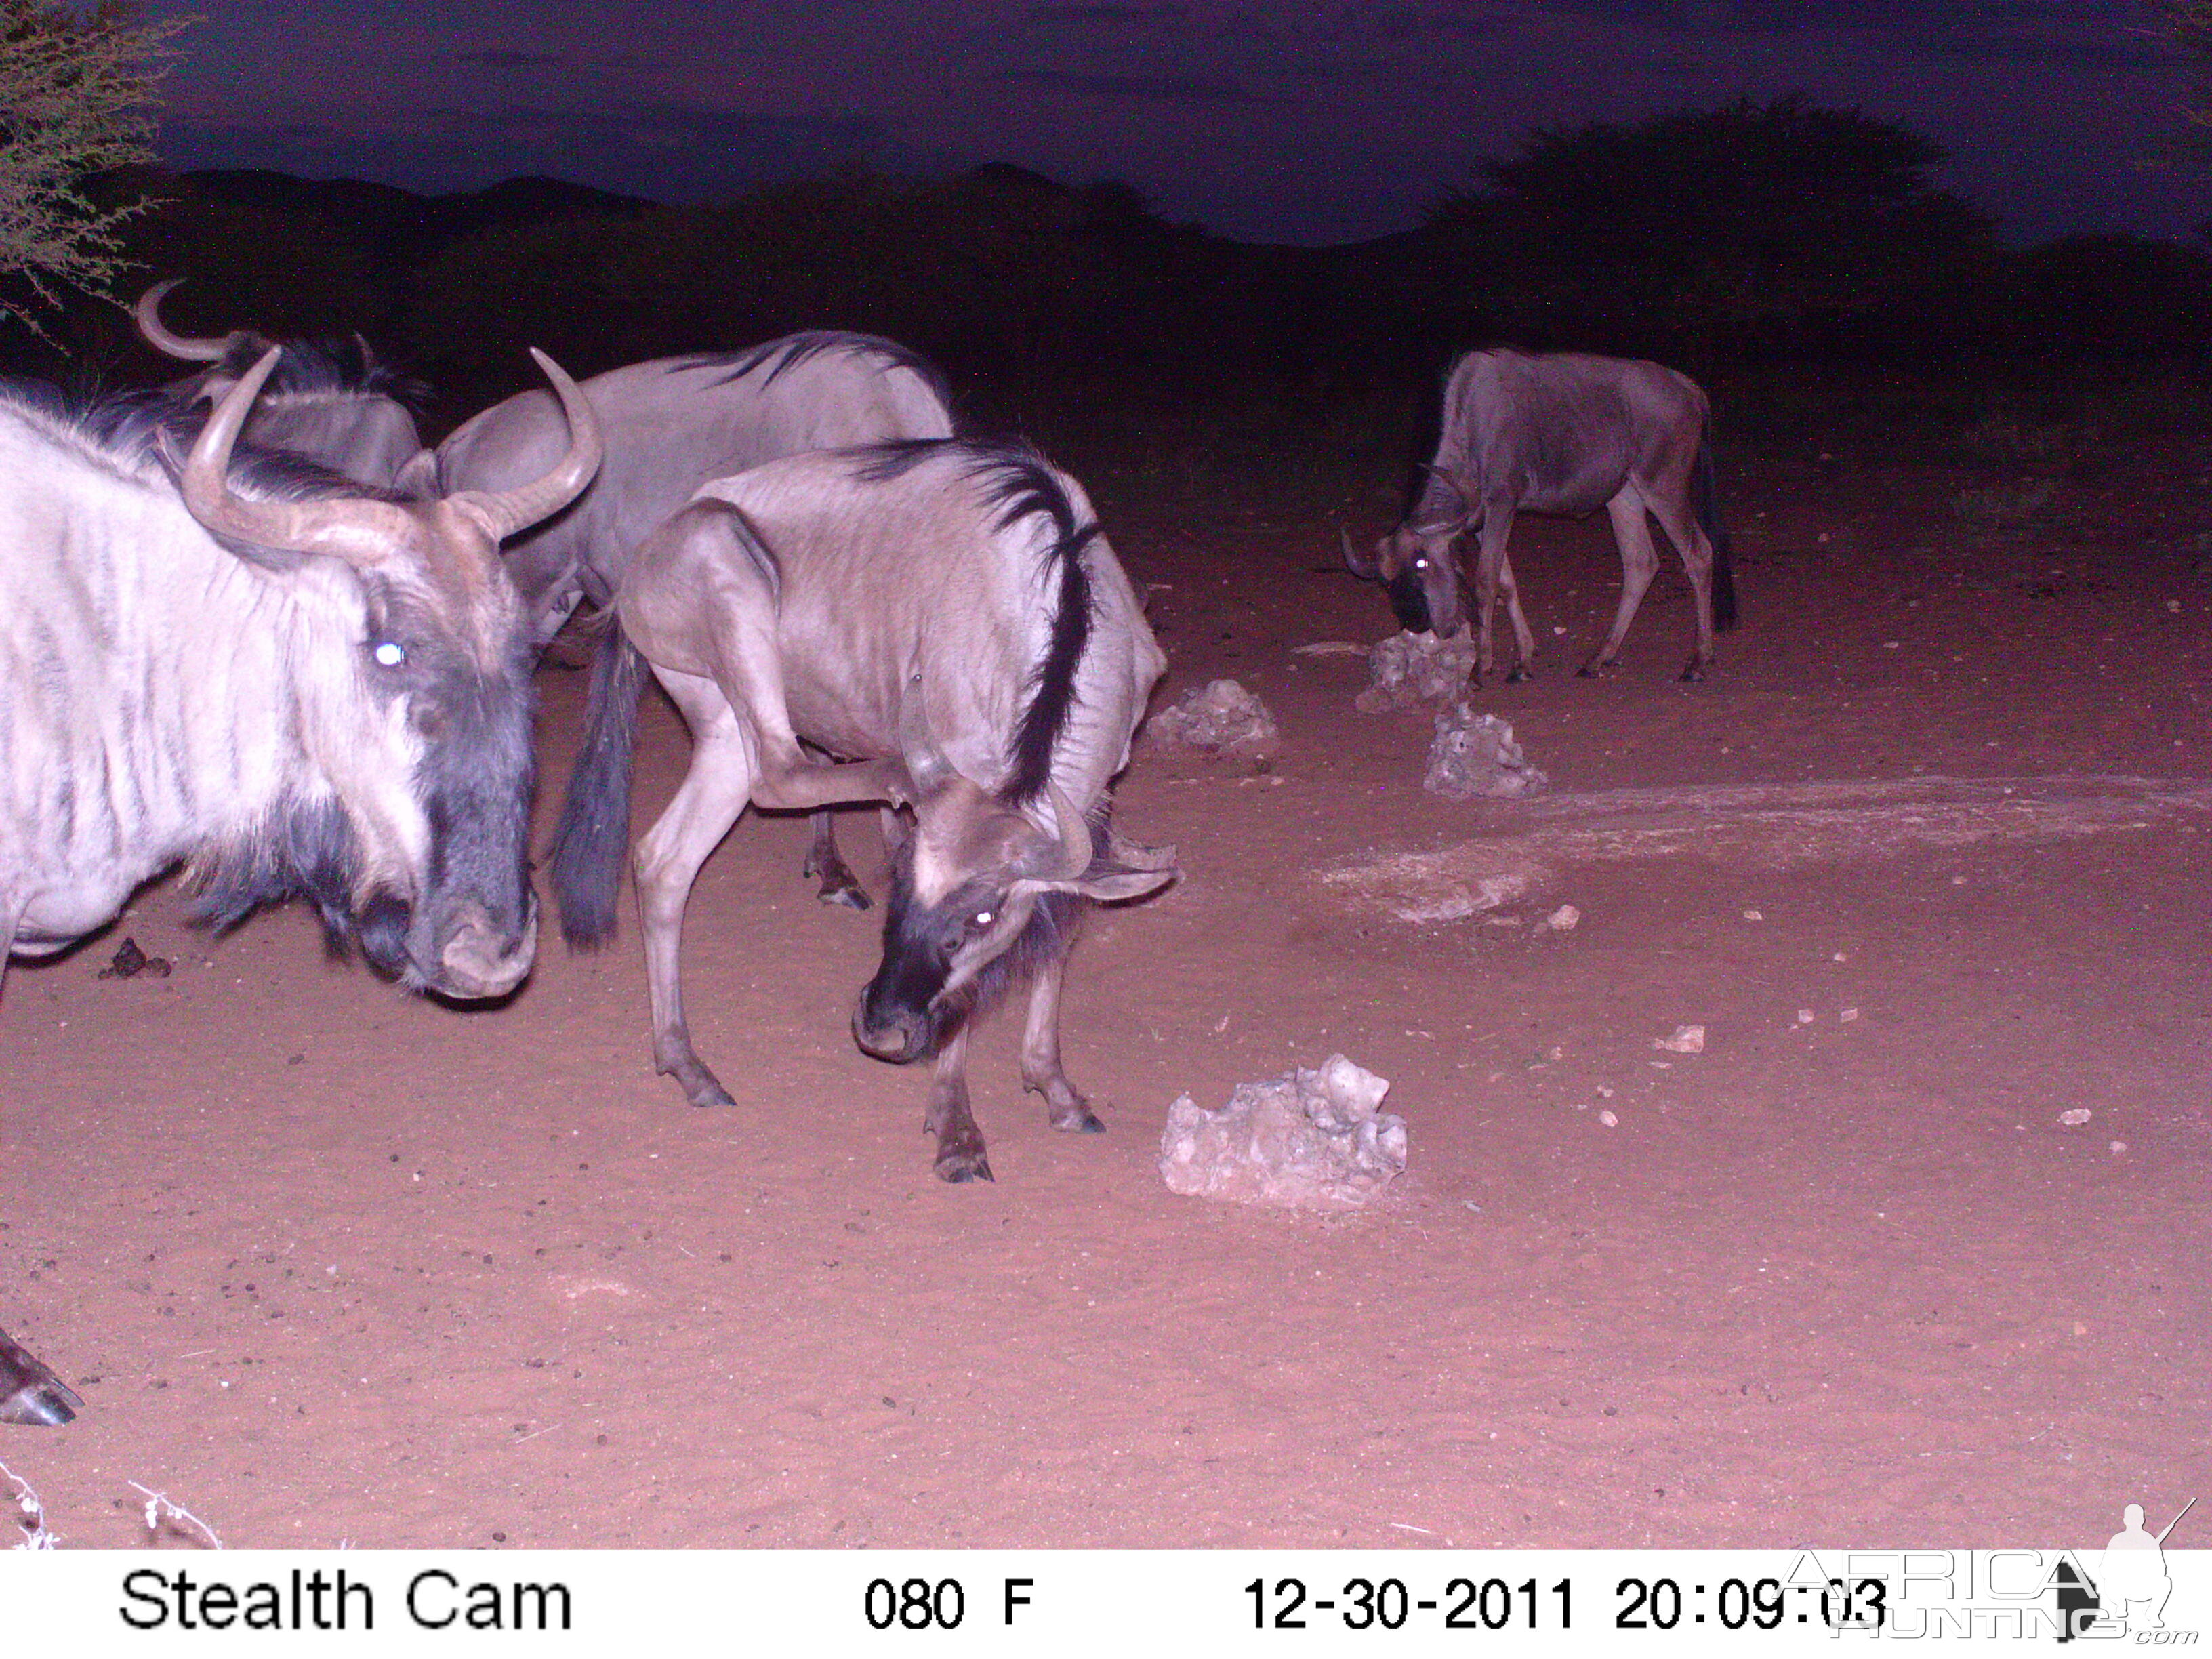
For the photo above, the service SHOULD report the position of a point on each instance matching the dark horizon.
(1343, 127)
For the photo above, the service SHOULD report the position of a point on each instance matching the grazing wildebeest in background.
(944, 614)
(671, 426)
(334, 404)
(305, 687)
(1560, 434)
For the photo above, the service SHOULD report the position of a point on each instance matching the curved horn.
(1366, 569)
(517, 510)
(148, 311)
(334, 527)
(1075, 835)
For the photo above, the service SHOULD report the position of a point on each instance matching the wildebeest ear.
(1135, 855)
(1103, 883)
(1465, 498)
(417, 479)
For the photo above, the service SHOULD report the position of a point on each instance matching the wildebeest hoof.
(958, 1164)
(700, 1086)
(42, 1405)
(36, 1397)
(851, 896)
(1080, 1120)
(1520, 673)
(1694, 673)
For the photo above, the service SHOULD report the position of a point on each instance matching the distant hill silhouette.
(401, 226)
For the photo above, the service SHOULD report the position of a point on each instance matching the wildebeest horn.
(1366, 569)
(517, 510)
(1075, 846)
(346, 529)
(148, 311)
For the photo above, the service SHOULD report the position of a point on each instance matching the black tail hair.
(594, 832)
(1705, 501)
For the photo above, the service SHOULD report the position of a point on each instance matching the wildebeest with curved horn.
(947, 615)
(1559, 433)
(671, 426)
(339, 407)
(302, 686)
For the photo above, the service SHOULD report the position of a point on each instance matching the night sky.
(1290, 123)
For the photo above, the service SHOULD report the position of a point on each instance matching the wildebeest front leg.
(714, 792)
(1041, 1068)
(1490, 568)
(826, 865)
(959, 1143)
(1632, 530)
(30, 1393)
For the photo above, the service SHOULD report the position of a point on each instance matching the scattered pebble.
(1686, 1040)
(1609, 1120)
(129, 962)
(1806, 1017)
(2119, 1146)
(1753, 915)
(2075, 1118)
(1564, 919)
(1848, 1015)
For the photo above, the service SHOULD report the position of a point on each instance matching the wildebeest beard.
(907, 991)
(1409, 600)
(480, 847)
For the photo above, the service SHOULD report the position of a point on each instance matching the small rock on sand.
(1563, 920)
(1473, 756)
(1312, 1140)
(1409, 669)
(2076, 1118)
(1686, 1040)
(1220, 719)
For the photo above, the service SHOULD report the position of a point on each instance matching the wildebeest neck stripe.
(1017, 479)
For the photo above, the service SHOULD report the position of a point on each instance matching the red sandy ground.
(332, 1264)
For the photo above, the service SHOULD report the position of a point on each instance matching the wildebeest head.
(1417, 564)
(335, 404)
(410, 663)
(980, 890)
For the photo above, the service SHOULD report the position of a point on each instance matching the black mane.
(793, 350)
(130, 426)
(1019, 481)
(308, 366)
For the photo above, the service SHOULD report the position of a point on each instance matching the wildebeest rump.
(335, 404)
(1560, 434)
(947, 615)
(671, 426)
(304, 687)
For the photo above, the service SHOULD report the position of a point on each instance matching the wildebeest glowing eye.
(1420, 564)
(982, 919)
(390, 652)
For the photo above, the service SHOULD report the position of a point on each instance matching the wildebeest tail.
(594, 832)
(1706, 503)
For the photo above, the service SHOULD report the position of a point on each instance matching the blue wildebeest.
(335, 405)
(946, 615)
(671, 426)
(1559, 433)
(302, 686)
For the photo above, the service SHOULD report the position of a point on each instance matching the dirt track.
(328, 1264)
